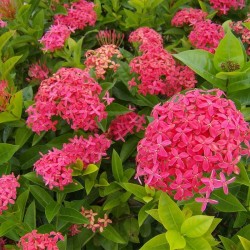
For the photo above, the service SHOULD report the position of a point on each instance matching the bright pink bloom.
(8, 185)
(223, 6)
(54, 166)
(3, 24)
(55, 37)
(188, 16)
(107, 98)
(126, 124)
(71, 94)
(147, 38)
(4, 95)
(206, 35)
(37, 241)
(192, 135)
(38, 71)
(102, 59)
(80, 14)
(205, 201)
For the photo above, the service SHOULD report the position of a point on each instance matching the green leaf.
(227, 203)
(9, 65)
(197, 244)
(135, 189)
(115, 109)
(16, 104)
(143, 213)
(111, 234)
(7, 226)
(5, 38)
(227, 243)
(22, 135)
(159, 242)
(243, 96)
(229, 49)
(7, 117)
(52, 210)
(30, 216)
(62, 244)
(169, 213)
(201, 62)
(196, 226)
(128, 147)
(73, 216)
(7, 151)
(154, 213)
(245, 243)
(117, 168)
(20, 204)
(91, 168)
(41, 195)
(175, 240)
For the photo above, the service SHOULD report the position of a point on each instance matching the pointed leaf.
(30, 216)
(117, 168)
(197, 244)
(41, 195)
(159, 242)
(111, 234)
(73, 216)
(52, 210)
(175, 240)
(7, 151)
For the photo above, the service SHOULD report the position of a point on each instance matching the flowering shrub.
(124, 124)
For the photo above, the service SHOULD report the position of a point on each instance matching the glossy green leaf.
(245, 243)
(51, 210)
(9, 65)
(197, 244)
(20, 204)
(30, 215)
(229, 50)
(175, 240)
(73, 216)
(91, 168)
(128, 147)
(22, 135)
(7, 117)
(41, 195)
(196, 226)
(227, 203)
(7, 151)
(159, 242)
(155, 214)
(143, 213)
(116, 109)
(201, 62)
(16, 104)
(117, 168)
(227, 243)
(111, 234)
(135, 189)
(6, 226)
(169, 213)
(5, 37)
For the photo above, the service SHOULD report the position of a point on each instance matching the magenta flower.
(224, 6)
(38, 71)
(205, 201)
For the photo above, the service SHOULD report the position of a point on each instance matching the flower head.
(55, 166)
(206, 35)
(223, 6)
(71, 94)
(106, 37)
(188, 16)
(192, 135)
(7, 9)
(8, 185)
(37, 241)
(38, 71)
(4, 95)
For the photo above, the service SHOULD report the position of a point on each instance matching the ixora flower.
(188, 16)
(126, 124)
(7, 9)
(105, 37)
(71, 94)
(38, 72)
(95, 224)
(206, 35)
(223, 6)
(8, 185)
(75, 19)
(193, 135)
(55, 166)
(102, 59)
(37, 241)
(4, 95)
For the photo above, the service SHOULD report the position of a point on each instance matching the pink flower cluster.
(156, 68)
(188, 16)
(8, 185)
(7, 9)
(80, 14)
(55, 167)
(102, 59)
(125, 124)
(71, 94)
(223, 6)
(38, 72)
(55, 37)
(37, 241)
(94, 224)
(64, 25)
(206, 35)
(240, 29)
(4, 95)
(193, 135)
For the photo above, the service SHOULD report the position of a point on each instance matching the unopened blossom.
(188, 16)
(147, 39)
(38, 71)
(71, 94)
(157, 73)
(55, 166)
(7, 9)
(8, 191)
(4, 95)
(125, 124)
(55, 37)
(95, 223)
(103, 59)
(37, 241)
(79, 15)
(193, 145)
(106, 37)
(223, 6)
(206, 35)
